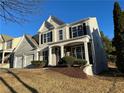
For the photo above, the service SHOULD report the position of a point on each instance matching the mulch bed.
(74, 72)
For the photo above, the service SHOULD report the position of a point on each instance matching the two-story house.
(56, 39)
(7, 45)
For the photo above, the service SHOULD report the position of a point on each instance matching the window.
(74, 32)
(47, 37)
(60, 35)
(77, 52)
(45, 55)
(9, 44)
(78, 31)
(44, 38)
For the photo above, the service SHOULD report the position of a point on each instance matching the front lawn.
(57, 81)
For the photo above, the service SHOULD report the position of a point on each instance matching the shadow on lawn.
(7, 85)
(112, 72)
(31, 89)
(27, 86)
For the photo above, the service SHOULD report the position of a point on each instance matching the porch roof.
(84, 38)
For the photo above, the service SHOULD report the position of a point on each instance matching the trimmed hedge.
(79, 62)
(71, 61)
(68, 60)
(39, 63)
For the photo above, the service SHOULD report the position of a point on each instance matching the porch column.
(39, 39)
(86, 52)
(62, 51)
(37, 55)
(3, 57)
(50, 56)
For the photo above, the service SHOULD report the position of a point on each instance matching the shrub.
(71, 61)
(68, 60)
(39, 63)
(79, 62)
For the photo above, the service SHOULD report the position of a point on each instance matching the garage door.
(29, 58)
(19, 62)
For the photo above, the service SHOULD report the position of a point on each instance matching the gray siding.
(100, 62)
(24, 47)
(27, 54)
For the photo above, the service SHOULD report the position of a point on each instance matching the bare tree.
(18, 10)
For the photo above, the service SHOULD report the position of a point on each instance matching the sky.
(67, 11)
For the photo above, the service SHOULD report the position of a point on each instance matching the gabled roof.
(55, 19)
(5, 38)
(36, 38)
(50, 23)
(31, 41)
(45, 26)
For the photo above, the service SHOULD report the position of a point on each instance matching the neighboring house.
(25, 52)
(57, 39)
(7, 45)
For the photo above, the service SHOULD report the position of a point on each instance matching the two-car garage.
(25, 52)
(23, 61)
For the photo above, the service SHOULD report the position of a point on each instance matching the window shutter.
(84, 29)
(51, 36)
(70, 32)
(41, 39)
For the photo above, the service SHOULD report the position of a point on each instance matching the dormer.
(55, 21)
(45, 26)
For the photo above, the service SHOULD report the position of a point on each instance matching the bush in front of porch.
(72, 61)
(38, 63)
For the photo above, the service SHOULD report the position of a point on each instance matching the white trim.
(62, 51)
(50, 56)
(86, 52)
(72, 39)
(15, 60)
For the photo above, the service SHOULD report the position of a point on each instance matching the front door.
(58, 54)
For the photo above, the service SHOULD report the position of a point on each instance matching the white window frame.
(46, 36)
(76, 30)
(60, 34)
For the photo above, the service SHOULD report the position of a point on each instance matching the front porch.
(79, 48)
(5, 58)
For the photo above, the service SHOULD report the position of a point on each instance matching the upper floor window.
(60, 34)
(47, 37)
(8, 44)
(80, 30)
(77, 31)
(44, 38)
(74, 32)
